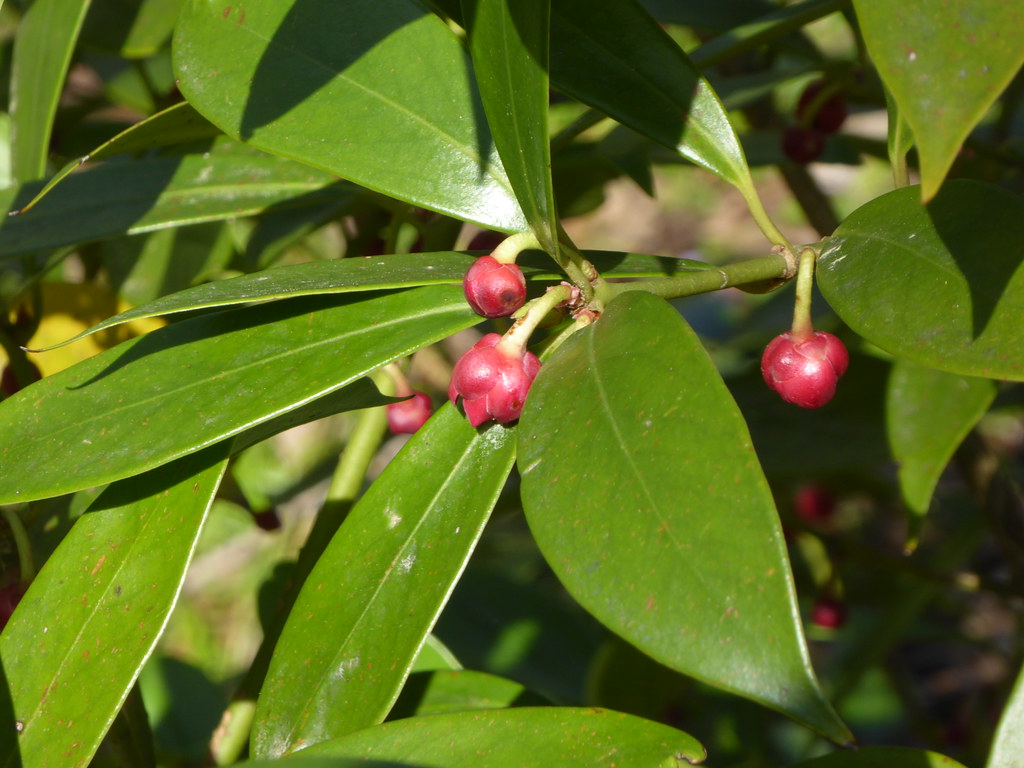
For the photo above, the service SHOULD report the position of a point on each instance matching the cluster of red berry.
(819, 113)
(494, 376)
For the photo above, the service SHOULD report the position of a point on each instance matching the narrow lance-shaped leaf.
(509, 43)
(945, 64)
(377, 590)
(374, 273)
(43, 45)
(941, 284)
(180, 388)
(612, 55)
(520, 736)
(928, 414)
(158, 192)
(175, 125)
(79, 638)
(689, 565)
(302, 80)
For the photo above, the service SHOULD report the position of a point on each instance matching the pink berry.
(494, 289)
(831, 113)
(406, 417)
(802, 145)
(493, 381)
(805, 372)
(828, 612)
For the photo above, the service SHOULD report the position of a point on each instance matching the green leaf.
(882, 757)
(555, 736)
(174, 125)
(372, 273)
(1008, 744)
(945, 65)
(381, 94)
(940, 284)
(377, 590)
(160, 396)
(440, 691)
(689, 565)
(158, 192)
(43, 45)
(509, 43)
(928, 414)
(612, 55)
(80, 636)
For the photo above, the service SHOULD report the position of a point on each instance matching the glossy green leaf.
(174, 125)
(509, 43)
(435, 655)
(941, 284)
(612, 55)
(381, 94)
(160, 396)
(440, 691)
(945, 64)
(1008, 744)
(371, 273)
(43, 45)
(152, 193)
(80, 636)
(928, 414)
(882, 757)
(377, 590)
(550, 736)
(689, 565)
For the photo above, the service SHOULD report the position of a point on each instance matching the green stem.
(763, 220)
(518, 335)
(362, 446)
(508, 250)
(346, 483)
(26, 563)
(769, 27)
(802, 328)
(232, 734)
(776, 266)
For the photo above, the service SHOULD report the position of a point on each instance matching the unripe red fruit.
(406, 417)
(494, 289)
(493, 381)
(805, 372)
(802, 145)
(831, 113)
(828, 612)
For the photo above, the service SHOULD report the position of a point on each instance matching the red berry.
(814, 504)
(494, 289)
(805, 372)
(406, 417)
(802, 145)
(828, 612)
(493, 381)
(830, 115)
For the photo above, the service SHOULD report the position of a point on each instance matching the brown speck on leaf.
(226, 12)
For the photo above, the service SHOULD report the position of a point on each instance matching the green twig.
(774, 267)
(802, 328)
